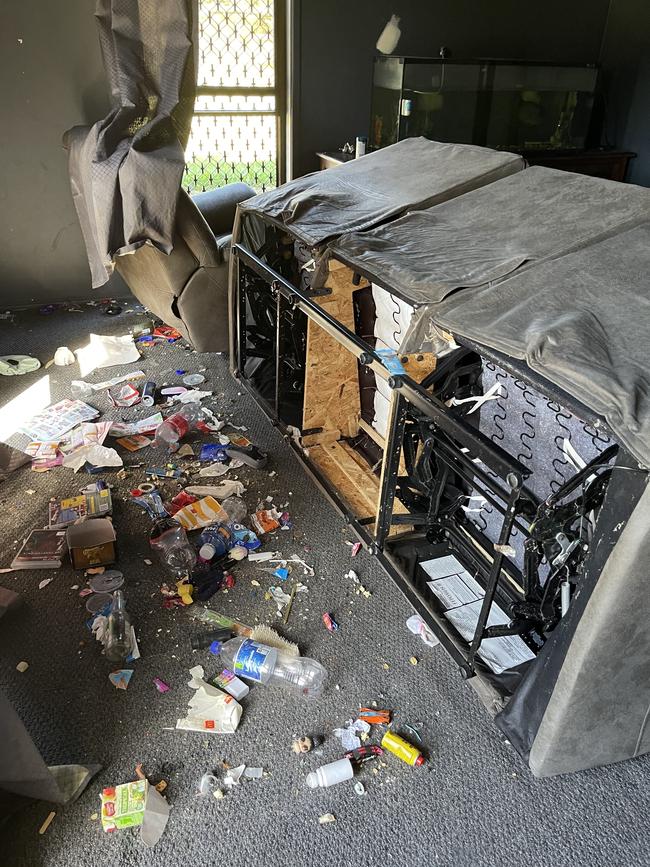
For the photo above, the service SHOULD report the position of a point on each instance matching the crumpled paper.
(348, 735)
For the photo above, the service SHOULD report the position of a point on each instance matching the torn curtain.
(126, 170)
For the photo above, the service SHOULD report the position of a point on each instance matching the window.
(237, 132)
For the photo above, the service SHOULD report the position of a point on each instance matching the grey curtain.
(126, 170)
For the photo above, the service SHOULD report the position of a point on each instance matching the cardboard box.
(123, 806)
(91, 543)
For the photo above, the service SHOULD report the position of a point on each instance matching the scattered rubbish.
(262, 633)
(107, 582)
(44, 583)
(253, 773)
(112, 310)
(302, 745)
(134, 443)
(205, 639)
(174, 428)
(413, 660)
(160, 685)
(126, 395)
(91, 543)
(249, 455)
(355, 549)
(148, 498)
(143, 426)
(52, 423)
(414, 731)
(359, 788)
(210, 709)
(230, 683)
(218, 794)
(326, 819)
(98, 603)
(205, 783)
(161, 786)
(235, 508)
(216, 540)
(201, 514)
(63, 357)
(42, 549)
(120, 678)
(260, 557)
(135, 804)
(148, 393)
(417, 626)
(233, 776)
(105, 351)
(264, 664)
(140, 774)
(361, 755)
(330, 774)
(402, 749)
(330, 624)
(46, 824)
(169, 540)
(18, 365)
(186, 451)
(119, 643)
(95, 502)
(374, 716)
(193, 379)
(281, 573)
(360, 590)
(22, 667)
(348, 735)
(265, 520)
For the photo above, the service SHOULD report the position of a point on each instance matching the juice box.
(123, 806)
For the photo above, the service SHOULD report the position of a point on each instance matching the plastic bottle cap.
(312, 780)
(215, 648)
(207, 551)
(419, 761)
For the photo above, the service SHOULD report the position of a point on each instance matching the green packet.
(123, 806)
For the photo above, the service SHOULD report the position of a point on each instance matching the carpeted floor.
(473, 803)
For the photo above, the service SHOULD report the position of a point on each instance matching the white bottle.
(330, 775)
(255, 661)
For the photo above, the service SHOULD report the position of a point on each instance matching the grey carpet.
(474, 803)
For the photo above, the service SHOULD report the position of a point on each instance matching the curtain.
(126, 169)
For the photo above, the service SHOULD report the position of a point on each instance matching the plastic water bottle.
(174, 428)
(170, 542)
(264, 664)
(216, 540)
(118, 630)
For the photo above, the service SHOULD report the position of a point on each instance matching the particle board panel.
(331, 397)
(356, 485)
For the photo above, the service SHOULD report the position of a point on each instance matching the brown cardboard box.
(91, 543)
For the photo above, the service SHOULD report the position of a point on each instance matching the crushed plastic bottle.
(174, 428)
(236, 509)
(118, 631)
(170, 542)
(264, 664)
(216, 540)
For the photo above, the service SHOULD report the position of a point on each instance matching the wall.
(335, 43)
(626, 71)
(52, 78)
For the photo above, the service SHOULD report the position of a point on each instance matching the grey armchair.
(188, 289)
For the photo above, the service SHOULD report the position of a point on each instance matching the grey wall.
(626, 70)
(52, 78)
(336, 43)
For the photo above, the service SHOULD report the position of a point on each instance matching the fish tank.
(502, 104)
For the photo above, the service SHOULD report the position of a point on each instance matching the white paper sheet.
(461, 596)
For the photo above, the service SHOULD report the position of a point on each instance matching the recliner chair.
(188, 289)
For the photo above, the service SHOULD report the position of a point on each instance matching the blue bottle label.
(250, 658)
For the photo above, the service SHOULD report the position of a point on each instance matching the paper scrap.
(55, 421)
(348, 735)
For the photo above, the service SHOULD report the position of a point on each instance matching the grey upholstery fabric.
(188, 288)
(490, 232)
(219, 206)
(580, 320)
(125, 170)
(599, 708)
(414, 173)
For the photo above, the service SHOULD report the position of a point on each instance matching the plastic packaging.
(402, 749)
(169, 540)
(236, 509)
(118, 631)
(264, 664)
(331, 774)
(216, 541)
(174, 428)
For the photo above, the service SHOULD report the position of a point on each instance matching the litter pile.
(180, 457)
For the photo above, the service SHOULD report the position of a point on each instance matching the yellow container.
(402, 749)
